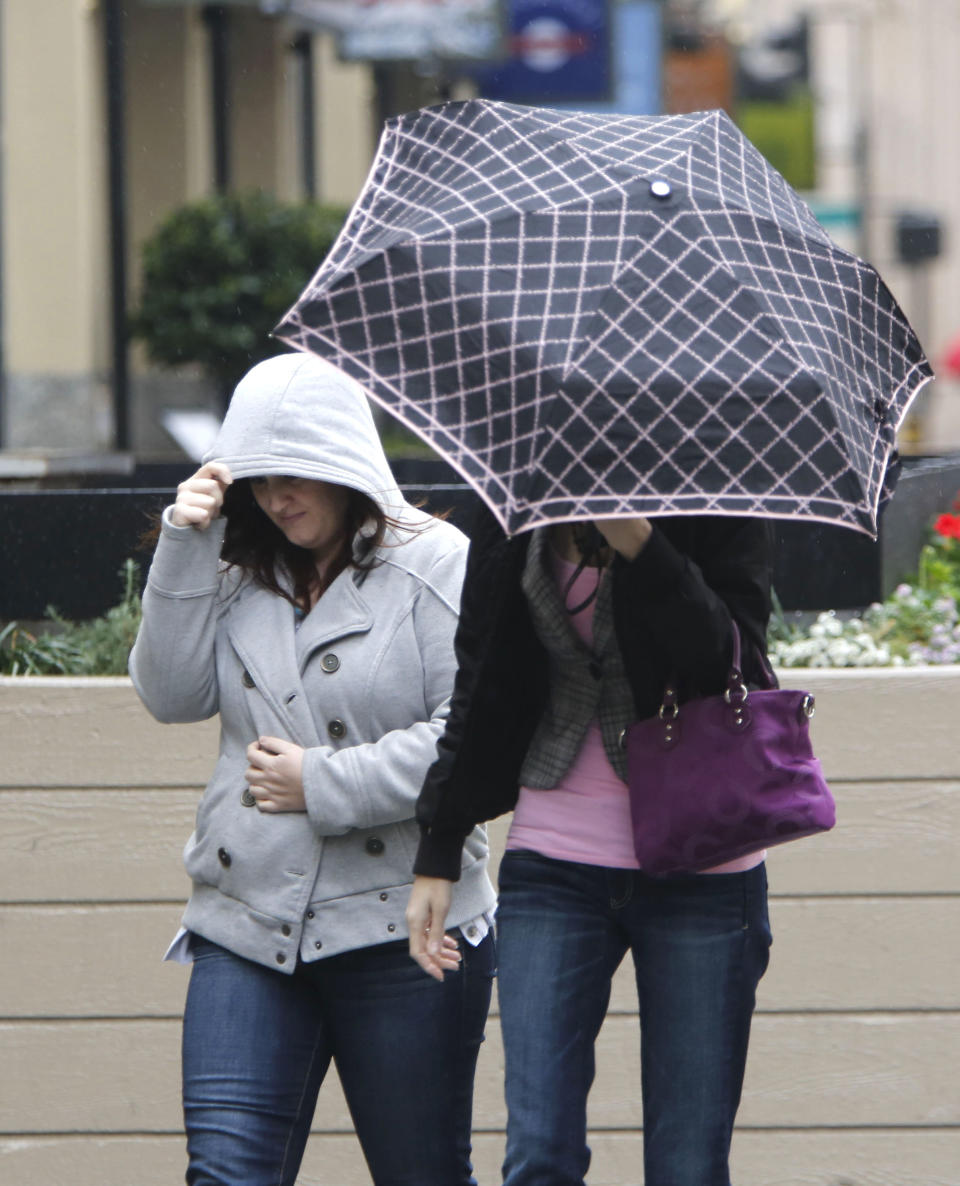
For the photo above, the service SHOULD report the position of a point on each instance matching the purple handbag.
(723, 776)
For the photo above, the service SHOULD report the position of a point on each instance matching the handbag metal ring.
(737, 692)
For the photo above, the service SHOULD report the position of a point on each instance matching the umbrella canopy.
(594, 315)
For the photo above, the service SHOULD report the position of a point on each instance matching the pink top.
(586, 816)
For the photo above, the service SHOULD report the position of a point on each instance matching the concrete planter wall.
(852, 1077)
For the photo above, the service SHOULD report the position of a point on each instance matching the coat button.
(337, 729)
(318, 944)
(285, 929)
(471, 932)
(374, 846)
(247, 798)
(384, 897)
(330, 662)
(391, 927)
(224, 858)
(247, 679)
(310, 914)
(281, 958)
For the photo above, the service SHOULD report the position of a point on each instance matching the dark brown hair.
(254, 543)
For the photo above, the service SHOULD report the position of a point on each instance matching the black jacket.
(672, 607)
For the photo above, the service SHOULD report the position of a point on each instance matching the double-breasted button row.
(247, 798)
(286, 930)
(310, 916)
(384, 896)
(374, 846)
(336, 728)
(330, 663)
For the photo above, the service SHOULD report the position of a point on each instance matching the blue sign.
(559, 50)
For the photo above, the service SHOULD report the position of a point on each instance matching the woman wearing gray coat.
(295, 592)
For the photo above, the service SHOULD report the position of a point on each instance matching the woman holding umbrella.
(297, 594)
(567, 634)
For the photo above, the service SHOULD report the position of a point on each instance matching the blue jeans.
(700, 945)
(257, 1045)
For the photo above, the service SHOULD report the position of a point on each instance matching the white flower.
(841, 653)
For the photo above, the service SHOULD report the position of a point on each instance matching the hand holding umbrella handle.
(626, 536)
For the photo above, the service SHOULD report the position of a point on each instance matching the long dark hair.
(254, 543)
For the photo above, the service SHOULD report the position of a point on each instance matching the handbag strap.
(736, 697)
(760, 655)
(736, 693)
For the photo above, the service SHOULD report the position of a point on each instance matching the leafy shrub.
(25, 653)
(940, 557)
(98, 647)
(219, 273)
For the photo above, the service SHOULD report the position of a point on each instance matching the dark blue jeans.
(700, 945)
(257, 1045)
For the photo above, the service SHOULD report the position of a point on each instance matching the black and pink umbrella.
(594, 315)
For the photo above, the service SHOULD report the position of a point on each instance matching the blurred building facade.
(206, 90)
(886, 97)
(238, 95)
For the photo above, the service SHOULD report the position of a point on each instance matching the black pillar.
(385, 91)
(303, 48)
(218, 23)
(116, 153)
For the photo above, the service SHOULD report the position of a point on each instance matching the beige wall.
(346, 138)
(54, 189)
(852, 1075)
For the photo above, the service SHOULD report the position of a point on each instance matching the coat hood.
(298, 415)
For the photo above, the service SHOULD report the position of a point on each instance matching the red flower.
(948, 526)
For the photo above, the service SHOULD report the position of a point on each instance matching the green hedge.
(218, 274)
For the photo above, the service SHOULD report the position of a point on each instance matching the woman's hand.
(200, 497)
(626, 536)
(275, 774)
(426, 915)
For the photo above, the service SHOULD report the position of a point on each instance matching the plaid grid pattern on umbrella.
(594, 315)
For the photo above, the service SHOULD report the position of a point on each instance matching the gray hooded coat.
(363, 686)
